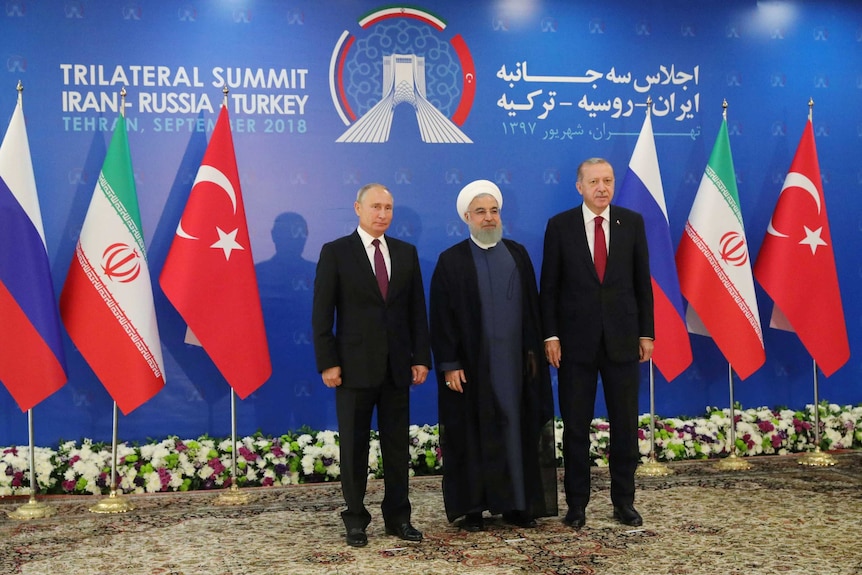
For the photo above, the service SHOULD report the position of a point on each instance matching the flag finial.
(225, 91)
(810, 108)
(648, 105)
(724, 108)
(20, 87)
(123, 102)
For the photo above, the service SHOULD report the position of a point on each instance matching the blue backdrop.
(532, 87)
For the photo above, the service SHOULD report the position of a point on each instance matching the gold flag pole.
(232, 496)
(816, 458)
(113, 503)
(652, 468)
(732, 462)
(32, 509)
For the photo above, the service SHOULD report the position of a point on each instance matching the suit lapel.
(620, 235)
(397, 258)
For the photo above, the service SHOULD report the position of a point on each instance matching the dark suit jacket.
(579, 309)
(369, 335)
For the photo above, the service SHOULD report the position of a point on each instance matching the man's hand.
(420, 372)
(646, 346)
(553, 352)
(455, 380)
(332, 376)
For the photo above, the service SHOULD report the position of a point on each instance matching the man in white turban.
(494, 391)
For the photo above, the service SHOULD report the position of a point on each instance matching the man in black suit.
(371, 343)
(597, 310)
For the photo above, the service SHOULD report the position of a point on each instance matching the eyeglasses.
(482, 212)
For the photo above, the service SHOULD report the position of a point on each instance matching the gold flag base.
(32, 510)
(816, 458)
(113, 503)
(653, 468)
(732, 463)
(232, 497)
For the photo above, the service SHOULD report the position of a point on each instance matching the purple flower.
(216, 465)
(164, 477)
(247, 454)
(765, 426)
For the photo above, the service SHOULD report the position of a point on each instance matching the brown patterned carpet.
(779, 517)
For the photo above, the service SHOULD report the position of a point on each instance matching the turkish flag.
(796, 263)
(209, 275)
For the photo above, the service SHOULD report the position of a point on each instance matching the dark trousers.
(354, 408)
(577, 390)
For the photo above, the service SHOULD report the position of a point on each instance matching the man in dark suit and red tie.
(597, 310)
(371, 344)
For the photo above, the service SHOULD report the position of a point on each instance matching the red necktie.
(600, 249)
(380, 269)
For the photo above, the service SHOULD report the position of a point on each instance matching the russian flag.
(641, 191)
(32, 363)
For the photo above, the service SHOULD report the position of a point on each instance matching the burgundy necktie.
(600, 249)
(380, 269)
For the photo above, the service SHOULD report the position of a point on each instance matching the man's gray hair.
(362, 191)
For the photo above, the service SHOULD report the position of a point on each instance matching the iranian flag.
(107, 300)
(715, 268)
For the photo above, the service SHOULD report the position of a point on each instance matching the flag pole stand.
(652, 468)
(816, 458)
(233, 496)
(113, 503)
(32, 509)
(732, 462)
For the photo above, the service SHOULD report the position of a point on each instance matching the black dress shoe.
(576, 517)
(519, 519)
(628, 515)
(472, 523)
(356, 537)
(404, 531)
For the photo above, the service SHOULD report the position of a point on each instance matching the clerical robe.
(497, 438)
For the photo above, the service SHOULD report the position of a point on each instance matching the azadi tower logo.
(370, 76)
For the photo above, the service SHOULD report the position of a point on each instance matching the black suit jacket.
(578, 308)
(359, 331)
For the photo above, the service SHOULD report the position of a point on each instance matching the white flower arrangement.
(313, 456)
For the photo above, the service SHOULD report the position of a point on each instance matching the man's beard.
(487, 235)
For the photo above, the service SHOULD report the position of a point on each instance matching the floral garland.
(308, 456)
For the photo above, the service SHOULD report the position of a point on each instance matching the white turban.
(473, 189)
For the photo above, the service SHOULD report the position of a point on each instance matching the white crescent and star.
(227, 240)
(812, 237)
